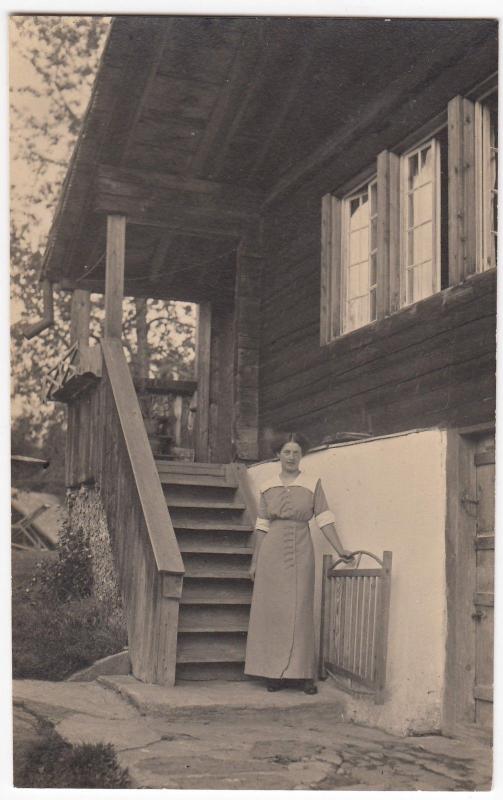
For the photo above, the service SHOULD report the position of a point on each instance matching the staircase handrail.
(155, 511)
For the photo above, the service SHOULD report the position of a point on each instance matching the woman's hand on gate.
(347, 556)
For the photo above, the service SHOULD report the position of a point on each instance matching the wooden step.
(236, 627)
(199, 541)
(203, 504)
(193, 648)
(214, 616)
(191, 468)
(219, 590)
(218, 671)
(217, 573)
(217, 526)
(203, 481)
(213, 566)
(209, 549)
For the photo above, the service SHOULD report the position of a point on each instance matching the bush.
(50, 641)
(55, 764)
(71, 577)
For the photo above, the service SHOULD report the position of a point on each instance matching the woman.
(280, 643)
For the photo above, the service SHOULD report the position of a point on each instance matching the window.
(421, 227)
(359, 258)
(421, 218)
(487, 175)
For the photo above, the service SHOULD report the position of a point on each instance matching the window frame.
(484, 232)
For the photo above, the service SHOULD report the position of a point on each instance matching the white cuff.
(325, 518)
(262, 524)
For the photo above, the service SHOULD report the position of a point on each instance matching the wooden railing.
(168, 408)
(108, 444)
(354, 626)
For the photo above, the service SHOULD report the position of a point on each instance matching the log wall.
(431, 364)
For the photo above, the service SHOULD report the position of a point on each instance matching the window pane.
(423, 243)
(426, 164)
(373, 234)
(423, 205)
(360, 256)
(373, 199)
(413, 174)
(373, 310)
(373, 269)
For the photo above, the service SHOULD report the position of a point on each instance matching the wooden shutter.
(388, 233)
(462, 189)
(330, 300)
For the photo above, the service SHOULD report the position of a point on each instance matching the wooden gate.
(354, 622)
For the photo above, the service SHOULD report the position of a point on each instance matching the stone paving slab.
(256, 741)
(214, 696)
(65, 698)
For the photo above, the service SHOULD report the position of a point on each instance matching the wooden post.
(381, 630)
(203, 352)
(114, 280)
(325, 618)
(246, 347)
(80, 317)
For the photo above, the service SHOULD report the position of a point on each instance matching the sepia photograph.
(253, 397)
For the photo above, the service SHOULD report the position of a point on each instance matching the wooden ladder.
(213, 514)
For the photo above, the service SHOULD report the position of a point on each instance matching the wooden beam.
(80, 318)
(289, 99)
(224, 112)
(203, 351)
(175, 203)
(161, 251)
(114, 279)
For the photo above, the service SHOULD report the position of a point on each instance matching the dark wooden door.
(483, 599)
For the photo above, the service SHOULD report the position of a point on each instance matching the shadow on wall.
(389, 493)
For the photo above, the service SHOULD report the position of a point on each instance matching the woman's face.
(289, 456)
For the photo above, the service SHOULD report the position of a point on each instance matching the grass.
(52, 763)
(51, 639)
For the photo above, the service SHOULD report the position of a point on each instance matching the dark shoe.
(310, 687)
(274, 685)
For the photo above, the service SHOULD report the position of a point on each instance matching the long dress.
(280, 641)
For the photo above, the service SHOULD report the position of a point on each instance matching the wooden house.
(325, 190)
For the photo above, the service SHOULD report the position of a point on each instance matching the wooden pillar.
(203, 350)
(114, 278)
(246, 347)
(80, 318)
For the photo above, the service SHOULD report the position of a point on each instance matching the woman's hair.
(281, 439)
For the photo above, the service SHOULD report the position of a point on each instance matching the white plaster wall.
(389, 493)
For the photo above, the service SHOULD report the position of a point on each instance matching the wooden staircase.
(213, 516)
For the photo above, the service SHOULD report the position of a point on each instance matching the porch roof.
(197, 124)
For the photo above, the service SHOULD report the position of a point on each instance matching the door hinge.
(467, 502)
